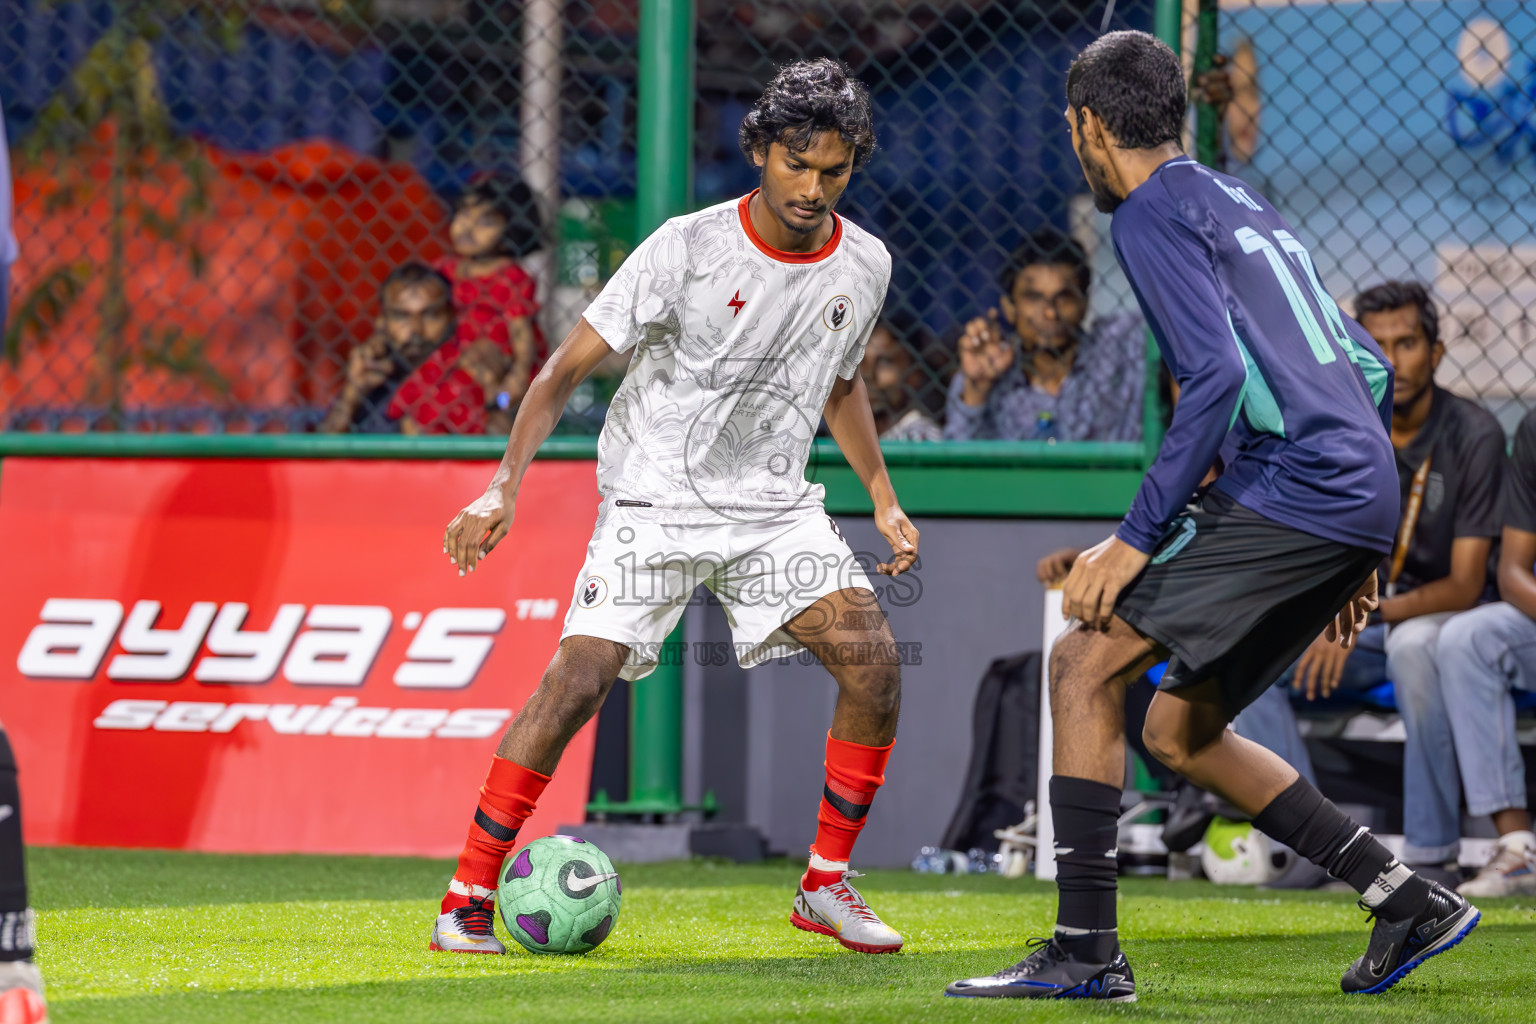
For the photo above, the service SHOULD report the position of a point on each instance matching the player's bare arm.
(476, 531)
(852, 424)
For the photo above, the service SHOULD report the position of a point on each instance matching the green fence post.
(1207, 124)
(664, 175)
(1167, 25)
(1168, 22)
(664, 183)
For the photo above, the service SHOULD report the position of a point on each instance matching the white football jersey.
(738, 347)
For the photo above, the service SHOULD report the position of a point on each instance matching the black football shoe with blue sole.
(1397, 947)
(1051, 973)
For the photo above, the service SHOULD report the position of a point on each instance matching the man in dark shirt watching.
(417, 318)
(1450, 457)
(1056, 381)
(1484, 655)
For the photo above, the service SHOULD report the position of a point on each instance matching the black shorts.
(1238, 597)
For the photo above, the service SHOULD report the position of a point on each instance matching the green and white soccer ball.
(1236, 853)
(559, 894)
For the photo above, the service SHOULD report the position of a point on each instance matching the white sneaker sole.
(806, 924)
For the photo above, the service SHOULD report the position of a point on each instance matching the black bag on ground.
(1005, 752)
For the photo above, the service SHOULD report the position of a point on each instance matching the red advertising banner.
(273, 656)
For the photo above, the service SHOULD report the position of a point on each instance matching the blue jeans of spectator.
(1431, 786)
(1485, 654)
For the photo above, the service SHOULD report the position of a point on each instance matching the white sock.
(820, 863)
(478, 892)
(1385, 884)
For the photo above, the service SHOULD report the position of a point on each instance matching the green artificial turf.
(153, 936)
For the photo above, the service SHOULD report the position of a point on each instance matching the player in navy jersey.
(1286, 402)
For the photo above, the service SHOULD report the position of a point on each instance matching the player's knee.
(576, 693)
(1065, 671)
(1167, 743)
(877, 685)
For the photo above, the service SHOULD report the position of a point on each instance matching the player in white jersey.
(747, 322)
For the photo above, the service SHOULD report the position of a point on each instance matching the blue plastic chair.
(1380, 697)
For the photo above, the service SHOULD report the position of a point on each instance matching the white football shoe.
(839, 911)
(1511, 872)
(467, 929)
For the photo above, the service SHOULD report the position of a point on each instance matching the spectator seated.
(1048, 378)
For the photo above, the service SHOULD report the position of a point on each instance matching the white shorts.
(639, 576)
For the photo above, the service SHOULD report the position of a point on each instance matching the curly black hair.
(807, 97)
(512, 200)
(1396, 295)
(1135, 84)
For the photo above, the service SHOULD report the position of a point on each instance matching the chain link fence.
(210, 193)
(1399, 137)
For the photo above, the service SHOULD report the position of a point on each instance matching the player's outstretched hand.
(1354, 616)
(896, 528)
(1319, 669)
(476, 531)
(1096, 579)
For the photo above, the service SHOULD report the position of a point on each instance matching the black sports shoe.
(1050, 973)
(1397, 947)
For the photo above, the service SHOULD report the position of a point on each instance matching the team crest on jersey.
(1434, 493)
(594, 591)
(838, 313)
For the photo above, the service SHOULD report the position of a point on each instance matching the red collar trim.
(780, 254)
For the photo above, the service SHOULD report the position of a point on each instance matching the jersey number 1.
(1252, 241)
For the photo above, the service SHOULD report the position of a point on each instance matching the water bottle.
(930, 860)
(935, 860)
(980, 862)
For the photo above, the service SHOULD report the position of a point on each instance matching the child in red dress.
(473, 383)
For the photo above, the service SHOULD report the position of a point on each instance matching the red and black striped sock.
(506, 800)
(854, 772)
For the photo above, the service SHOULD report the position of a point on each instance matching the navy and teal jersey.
(1292, 396)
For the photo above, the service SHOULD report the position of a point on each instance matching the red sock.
(506, 800)
(854, 772)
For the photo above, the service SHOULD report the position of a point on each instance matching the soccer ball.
(1236, 853)
(559, 894)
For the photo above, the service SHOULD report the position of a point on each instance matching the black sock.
(1309, 823)
(1084, 814)
(15, 918)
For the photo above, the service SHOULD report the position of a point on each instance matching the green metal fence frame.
(1015, 479)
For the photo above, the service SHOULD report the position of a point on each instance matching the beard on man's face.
(1402, 404)
(1104, 200)
(412, 350)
